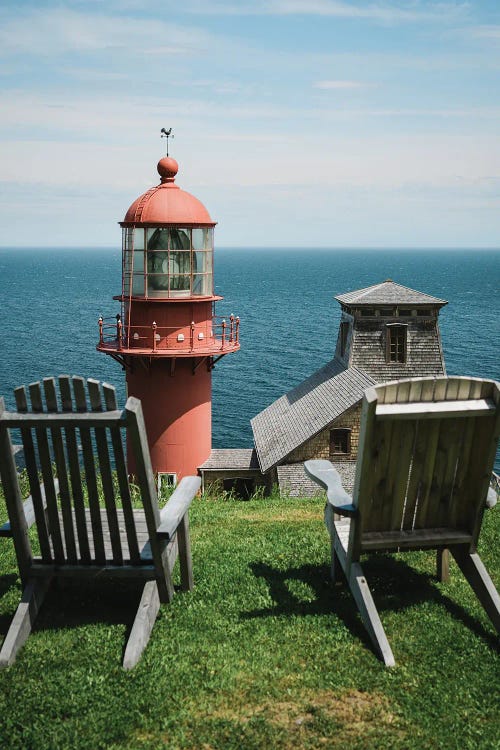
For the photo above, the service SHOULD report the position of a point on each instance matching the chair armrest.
(177, 506)
(29, 512)
(323, 473)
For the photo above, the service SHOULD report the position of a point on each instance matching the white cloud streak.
(387, 13)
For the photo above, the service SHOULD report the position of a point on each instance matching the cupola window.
(396, 343)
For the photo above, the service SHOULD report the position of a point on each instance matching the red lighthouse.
(166, 335)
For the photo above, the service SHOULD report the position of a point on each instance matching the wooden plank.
(106, 475)
(443, 565)
(377, 507)
(137, 432)
(443, 409)
(363, 478)
(48, 478)
(369, 614)
(143, 625)
(413, 539)
(401, 515)
(90, 472)
(121, 471)
(39, 500)
(177, 506)
(185, 558)
(88, 572)
(75, 474)
(107, 419)
(24, 618)
(62, 473)
(476, 574)
(14, 502)
(425, 473)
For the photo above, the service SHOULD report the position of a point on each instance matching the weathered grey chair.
(77, 536)
(426, 453)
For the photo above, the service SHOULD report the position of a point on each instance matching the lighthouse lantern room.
(166, 335)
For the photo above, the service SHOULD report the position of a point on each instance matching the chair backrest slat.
(14, 501)
(74, 472)
(90, 475)
(122, 475)
(106, 476)
(32, 471)
(62, 473)
(45, 458)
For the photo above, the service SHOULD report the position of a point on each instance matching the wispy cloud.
(379, 12)
(326, 85)
(486, 32)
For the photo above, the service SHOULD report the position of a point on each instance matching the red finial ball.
(167, 169)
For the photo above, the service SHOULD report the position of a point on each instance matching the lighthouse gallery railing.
(224, 333)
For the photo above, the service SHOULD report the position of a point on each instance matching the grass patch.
(264, 653)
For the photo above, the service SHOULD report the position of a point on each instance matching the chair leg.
(443, 565)
(185, 560)
(473, 569)
(24, 619)
(369, 615)
(143, 625)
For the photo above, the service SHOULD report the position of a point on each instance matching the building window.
(340, 441)
(423, 312)
(404, 313)
(396, 343)
(344, 330)
(367, 312)
(386, 312)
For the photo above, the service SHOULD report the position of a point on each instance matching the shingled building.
(386, 332)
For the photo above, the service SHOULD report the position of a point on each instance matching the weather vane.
(166, 134)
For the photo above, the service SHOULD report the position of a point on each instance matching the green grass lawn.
(264, 653)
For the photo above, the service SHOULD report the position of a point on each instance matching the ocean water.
(50, 301)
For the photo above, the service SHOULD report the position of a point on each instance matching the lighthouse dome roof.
(167, 203)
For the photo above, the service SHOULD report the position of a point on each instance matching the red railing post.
(192, 335)
(237, 328)
(223, 333)
(101, 335)
(231, 328)
(119, 332)
(154, 335)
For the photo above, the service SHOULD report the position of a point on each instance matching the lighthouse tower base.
(177, 406)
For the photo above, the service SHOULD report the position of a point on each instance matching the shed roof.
(227, 459)
(306, 410)
(388, 292)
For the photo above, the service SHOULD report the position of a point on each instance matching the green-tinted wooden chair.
(86, 524)
(426, 453)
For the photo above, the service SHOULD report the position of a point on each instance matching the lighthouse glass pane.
(138, 285)
(157, 239)
(158, 272)
(138, 239)
(202, 284)
(202, 238)
(202, 262)
(180, 239)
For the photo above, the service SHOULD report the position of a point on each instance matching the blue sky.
(297, 122)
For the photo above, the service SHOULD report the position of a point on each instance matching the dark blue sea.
(51, 300)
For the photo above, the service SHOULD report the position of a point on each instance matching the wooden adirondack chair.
(78, 536)
(426, 453)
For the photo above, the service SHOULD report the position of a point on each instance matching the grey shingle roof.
(306, 410)
(388, 292)
(230, 458)
(293, 480)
